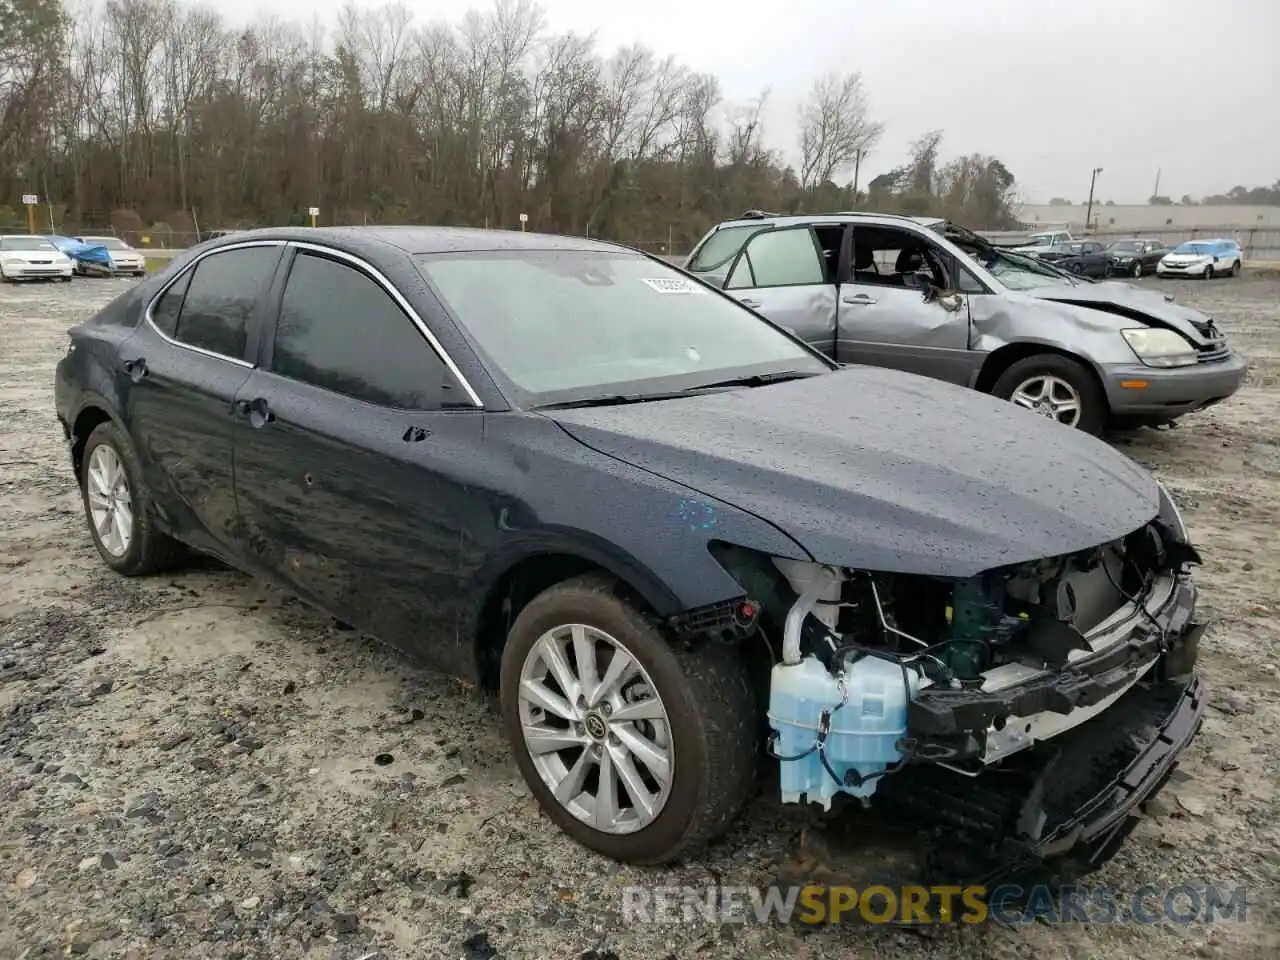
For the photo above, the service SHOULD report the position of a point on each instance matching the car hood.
(1126, 300)
(881, 470)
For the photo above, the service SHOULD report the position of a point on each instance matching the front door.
(187, 361)
(347, 459)
(888, 315)
(788, 275)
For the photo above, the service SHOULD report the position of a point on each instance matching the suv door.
(788, 275)
(347, 456)
(187, 360)
(887, 316)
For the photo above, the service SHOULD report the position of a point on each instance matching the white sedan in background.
(125, 258)
(32, 258)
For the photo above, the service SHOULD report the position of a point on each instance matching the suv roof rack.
(758, 215)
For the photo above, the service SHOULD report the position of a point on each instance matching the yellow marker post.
(314, 212)
(31, 200)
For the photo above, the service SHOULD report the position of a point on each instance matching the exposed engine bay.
(877, 673)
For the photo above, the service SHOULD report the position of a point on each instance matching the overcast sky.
(1053, 88)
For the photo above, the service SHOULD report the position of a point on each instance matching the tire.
(713, 722)
(147, 550)
(1208, 273)
(1092, 402)
(1076, 269)
(1137, 269)
(1235, 269)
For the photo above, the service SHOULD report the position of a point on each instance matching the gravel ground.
(197, 766)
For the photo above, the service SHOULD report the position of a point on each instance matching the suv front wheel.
(1056, 387)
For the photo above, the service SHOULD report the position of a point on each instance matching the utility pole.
(1088, 213)
(1156, 191)
(857, 163)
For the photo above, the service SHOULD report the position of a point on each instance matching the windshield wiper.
(611, 400)
(755, 380)
(617, 399)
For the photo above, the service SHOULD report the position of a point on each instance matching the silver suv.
(930, 297)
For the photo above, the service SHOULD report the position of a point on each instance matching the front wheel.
(638, 747)
(1208, 273)
(1056, 387)
(1137, 269)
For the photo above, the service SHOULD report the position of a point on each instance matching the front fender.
(1092, 335)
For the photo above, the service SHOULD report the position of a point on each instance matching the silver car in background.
(930, 297)
(124, 258)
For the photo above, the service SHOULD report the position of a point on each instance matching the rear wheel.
(1235, 269)
(118, 507)
(637, 747)
(1056, 387)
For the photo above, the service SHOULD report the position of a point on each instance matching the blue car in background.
(1205, 259)
(88, 258)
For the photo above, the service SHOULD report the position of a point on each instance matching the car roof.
(22, 236)
(424, 240)
(845, 216)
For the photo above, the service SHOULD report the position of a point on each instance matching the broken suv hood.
(1145, 306)
(886, 471)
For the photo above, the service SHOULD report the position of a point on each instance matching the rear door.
(886, 318)
(351, 451)
(788, 275)
(186, 361)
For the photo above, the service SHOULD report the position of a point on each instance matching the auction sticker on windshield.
(673, 285)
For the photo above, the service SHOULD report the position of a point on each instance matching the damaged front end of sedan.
(1027, 710)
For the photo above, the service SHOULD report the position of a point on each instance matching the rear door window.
(220, 299)
(778, 258)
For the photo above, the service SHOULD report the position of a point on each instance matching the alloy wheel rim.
(110, 502)
(1050, 397)
(596, 730)
(1137, 269)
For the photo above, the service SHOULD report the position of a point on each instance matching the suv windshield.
(721, 247)
(1017, 272)
(1126, 246)
(564, 325)
(1191, 247)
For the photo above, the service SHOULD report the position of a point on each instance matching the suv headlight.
(1160, 348)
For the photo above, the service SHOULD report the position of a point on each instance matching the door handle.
(257, 411)
(857, 298)
(136, 369)
(748, 302)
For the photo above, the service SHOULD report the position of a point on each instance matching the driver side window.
(891, 257)
(778, 258)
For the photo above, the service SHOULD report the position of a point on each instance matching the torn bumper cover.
(959, 726)
(1075, 796)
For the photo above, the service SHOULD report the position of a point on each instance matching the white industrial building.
(1141, 216)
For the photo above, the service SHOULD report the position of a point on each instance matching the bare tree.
(835, 128)
(145, 113)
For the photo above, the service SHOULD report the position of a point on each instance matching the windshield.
(1040, 239)
(1126, 246)
(721, 247)
(564, 325)
(1203, 248)
(25, 243)
(1021, 273)
(111, 243)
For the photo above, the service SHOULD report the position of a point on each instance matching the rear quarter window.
(721, 247)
